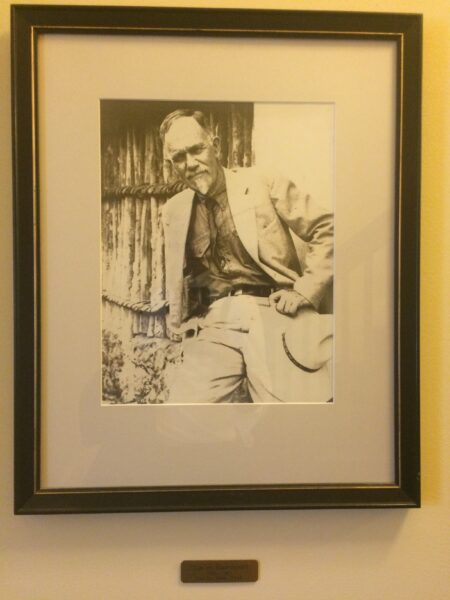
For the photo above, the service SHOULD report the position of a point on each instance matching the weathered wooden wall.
(136, 181)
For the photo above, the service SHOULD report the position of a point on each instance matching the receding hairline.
(181, 113)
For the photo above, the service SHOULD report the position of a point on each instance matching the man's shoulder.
(243, 172)
(179, 196)
(174, 201)
(260, 180)
(251, 177)
(261, 175)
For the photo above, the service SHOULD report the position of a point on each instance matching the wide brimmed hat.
(308, 340)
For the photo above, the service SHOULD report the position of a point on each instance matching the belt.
(204, 297)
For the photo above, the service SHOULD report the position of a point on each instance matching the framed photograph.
(216, 259)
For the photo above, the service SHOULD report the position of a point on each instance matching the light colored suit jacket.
(265, 211)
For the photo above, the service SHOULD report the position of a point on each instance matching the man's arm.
(314, 225)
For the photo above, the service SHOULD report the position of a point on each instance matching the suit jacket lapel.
(242, 206)
(177, 227)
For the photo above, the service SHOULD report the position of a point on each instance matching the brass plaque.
(219, 571)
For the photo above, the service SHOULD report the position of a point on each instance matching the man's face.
(193, 153)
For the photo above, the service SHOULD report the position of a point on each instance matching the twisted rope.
(160, 191)
(141, 306)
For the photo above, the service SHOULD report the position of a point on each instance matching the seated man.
(236, 289)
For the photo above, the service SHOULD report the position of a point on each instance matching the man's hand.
(288, 302)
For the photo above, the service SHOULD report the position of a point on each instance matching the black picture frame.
(30, 22)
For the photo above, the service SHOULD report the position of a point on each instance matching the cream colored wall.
(370, 554)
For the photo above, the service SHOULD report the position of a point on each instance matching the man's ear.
(216, 146)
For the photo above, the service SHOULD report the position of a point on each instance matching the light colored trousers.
(240, 338)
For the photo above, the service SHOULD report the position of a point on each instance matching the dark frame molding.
(30, 21)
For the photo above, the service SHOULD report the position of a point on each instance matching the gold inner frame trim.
(36, 30)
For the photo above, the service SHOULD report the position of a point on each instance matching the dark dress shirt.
(216, 258)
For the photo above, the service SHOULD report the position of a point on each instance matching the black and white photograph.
(217, 252)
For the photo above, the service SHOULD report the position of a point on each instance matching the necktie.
(210, 204)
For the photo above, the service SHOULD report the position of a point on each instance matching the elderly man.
(235, 285)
